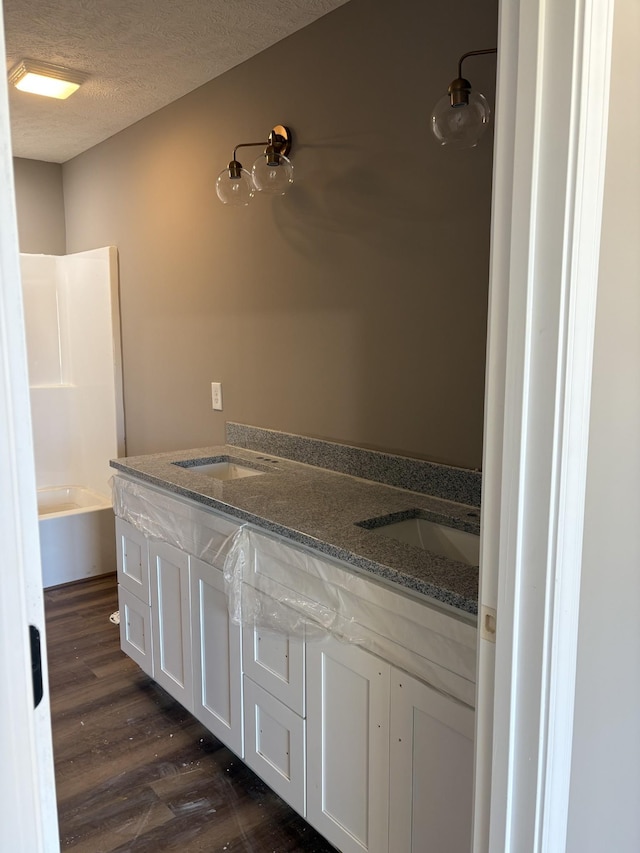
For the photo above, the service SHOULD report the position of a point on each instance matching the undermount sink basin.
(437, 538)
(222, 468)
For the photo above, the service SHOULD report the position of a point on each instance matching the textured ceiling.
(140, 56)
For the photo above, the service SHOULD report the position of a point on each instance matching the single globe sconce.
(461, 116)
(272, 172)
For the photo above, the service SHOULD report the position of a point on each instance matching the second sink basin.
(430, 536)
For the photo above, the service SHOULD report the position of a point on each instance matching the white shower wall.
(72, 324)
(73, 344)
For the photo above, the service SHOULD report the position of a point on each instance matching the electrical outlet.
(216, 396)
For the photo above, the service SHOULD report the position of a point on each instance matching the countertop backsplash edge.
(460, 485)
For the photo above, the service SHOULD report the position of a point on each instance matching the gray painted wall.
(39, 207)
(349, 309)
(605, 786)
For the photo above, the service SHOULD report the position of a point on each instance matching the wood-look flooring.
(134, 770)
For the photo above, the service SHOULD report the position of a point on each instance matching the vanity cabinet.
(376, 760)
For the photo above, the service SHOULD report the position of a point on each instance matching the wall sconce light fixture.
(41, 78)
(461, 117)
(271, 173)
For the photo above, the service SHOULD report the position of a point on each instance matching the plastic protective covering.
(167, 517)
(268, 602)
(281, 587)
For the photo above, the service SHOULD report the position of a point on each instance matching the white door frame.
(28, 816)
(552, 110)
(545, 238)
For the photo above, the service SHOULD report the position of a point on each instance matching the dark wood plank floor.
(134, 771)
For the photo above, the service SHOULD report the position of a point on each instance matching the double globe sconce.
(272, 172)
(458, 120)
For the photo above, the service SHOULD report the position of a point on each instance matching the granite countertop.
(321, 509)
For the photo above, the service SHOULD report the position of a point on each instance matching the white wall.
(604, 812)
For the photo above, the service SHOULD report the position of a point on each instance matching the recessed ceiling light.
(41, 78)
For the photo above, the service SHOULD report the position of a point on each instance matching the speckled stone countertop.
(322, 509)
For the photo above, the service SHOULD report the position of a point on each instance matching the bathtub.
(77, 534)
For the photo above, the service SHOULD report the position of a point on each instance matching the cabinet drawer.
(274, 738)
(135, 629)
(132, 559)
(275, 662)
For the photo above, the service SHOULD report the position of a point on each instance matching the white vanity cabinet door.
(275, 661)
(132, 560)
(171, 621)
(431, 772)
(348, 746)
(274, 744)
(217, 664)
(135, 629)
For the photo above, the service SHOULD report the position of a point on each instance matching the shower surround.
(72, 327)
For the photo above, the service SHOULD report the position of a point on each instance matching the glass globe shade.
(235, 191)
(461, 126)
(272, 179)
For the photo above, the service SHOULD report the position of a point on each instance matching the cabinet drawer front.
(132, 560)
(274, 738)
(276, 662)
(135, 629)
(217, 678)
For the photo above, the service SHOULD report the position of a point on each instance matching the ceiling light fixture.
(41, 78)
(271, 173)
(461, 116)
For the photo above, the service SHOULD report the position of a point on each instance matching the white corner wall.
(604, 812)
(73, 342)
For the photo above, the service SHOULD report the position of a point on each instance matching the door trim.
(553, 85)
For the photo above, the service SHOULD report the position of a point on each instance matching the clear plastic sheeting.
(203, 534)
(281, 587)
(260, 600)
